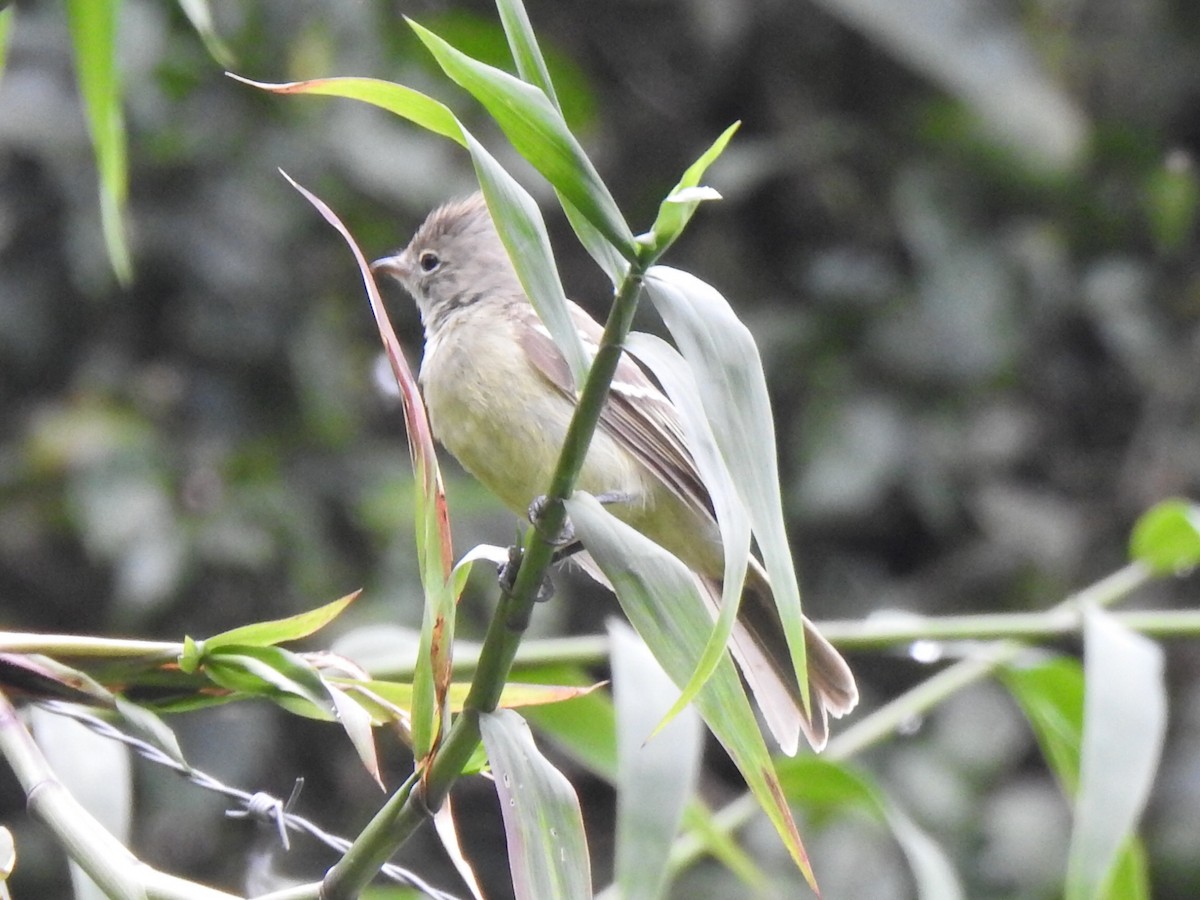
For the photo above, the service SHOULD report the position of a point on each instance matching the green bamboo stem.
(402, 815)
(885, 721)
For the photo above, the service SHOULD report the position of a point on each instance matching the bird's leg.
(565, 541)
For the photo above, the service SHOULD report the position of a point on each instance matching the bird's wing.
(637, 414)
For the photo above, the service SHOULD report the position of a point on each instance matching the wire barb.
(260, 806)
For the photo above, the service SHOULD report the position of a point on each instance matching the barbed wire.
(260, 806)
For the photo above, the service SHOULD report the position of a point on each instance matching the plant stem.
(884, 722)
(105, 859)
(409, 807)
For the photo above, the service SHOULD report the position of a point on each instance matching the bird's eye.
(429, 261)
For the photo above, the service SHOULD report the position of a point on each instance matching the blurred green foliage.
(981, 360)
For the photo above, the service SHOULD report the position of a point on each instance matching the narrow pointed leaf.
(6, 21)
(539, 133)
(523, 233)
(1125, 717)
(733, 389)
(662, 601)
(676, 377)
(1051, 694)
(396, 98)
(93, 25)
(656, 775)
(435, 555)
(356, 722)
(277, 631)
(531, 65)
(679, 206)
(547, 849)
(199, 13)
(443, 823)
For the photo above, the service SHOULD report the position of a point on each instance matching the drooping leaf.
(356, 722)
(733, 390)
(662, 601)
(199, 13)
(677, 380)
(435, 555)
(656, 772)
(1125, 718)
(395, 98)
(93, 26)
(547, 849)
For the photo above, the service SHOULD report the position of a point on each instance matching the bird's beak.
(395, 266)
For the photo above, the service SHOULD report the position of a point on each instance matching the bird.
(500, 396)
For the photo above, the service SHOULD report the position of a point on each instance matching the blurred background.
(963, 234)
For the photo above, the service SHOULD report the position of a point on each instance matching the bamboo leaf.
(680, 204)
(93, 26)
(538, 132)
(1125, 719)
(547, 849)
(662, 601)
(656, 773)
(733, 390)
(676, 377)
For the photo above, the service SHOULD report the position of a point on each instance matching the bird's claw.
(537, 511)
(507, 575)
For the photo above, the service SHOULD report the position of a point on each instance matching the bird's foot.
(507, 575)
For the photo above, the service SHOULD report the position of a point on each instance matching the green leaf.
(6, 20)
(679, 206)
(828, 786)
(656, 773)
(1172, 201)
(733, 390)
(676, 378)
(547, 849)
(93, 26)
(270, 672)
(662, 601)
(199, 14)
(1167, 537)
(1125, 719)
(584, 727)
(539, 133)
(395, 98)
(702, 827)
(276, 631)
(523, 233)
(531, 65)
(1051, 696)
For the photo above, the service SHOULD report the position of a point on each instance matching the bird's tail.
(762, 655)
